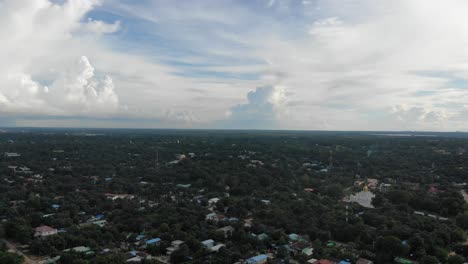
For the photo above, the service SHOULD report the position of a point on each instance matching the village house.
(43, 231)
(114, 197)
(175, 245)
(11, 154)
(364, 261)
(81, 249)
(258, 259)
(324, 261)
(208, 243)
(214, 217)
(227, 230)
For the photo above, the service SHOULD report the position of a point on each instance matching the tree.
(180, 255)
(462, 221)
(455, 259)
(429, 260)
(387, 248)
(10, 258)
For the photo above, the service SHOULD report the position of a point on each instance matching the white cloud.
(41, 73)
(329, 64)
(100, 27)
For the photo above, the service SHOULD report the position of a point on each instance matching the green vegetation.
(108, 194)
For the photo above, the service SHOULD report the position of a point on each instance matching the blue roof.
(257, 258)
(55, 206)
(133, 253)
(293, 236)
(99, 216)
(139, 237)
(344, 262)
(153, 241)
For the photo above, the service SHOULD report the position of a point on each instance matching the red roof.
(324, 261)
(44, 229)
(363, 261)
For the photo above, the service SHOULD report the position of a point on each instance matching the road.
(13, 247)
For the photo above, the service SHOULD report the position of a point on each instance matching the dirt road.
(13, 247)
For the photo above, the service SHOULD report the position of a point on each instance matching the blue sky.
(262, 64)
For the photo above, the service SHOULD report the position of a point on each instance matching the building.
(372, 183)
(81, 249)
(114, 197)
(153, 241)
(363, 198)
(293, 237)
(403, 261)
(43, 231)
(216, 248)
(308, 251)
(213, 201)
(100, 223)
(364, 261)
(258, 259)
(208, 243)
(175, 245)
(214, 217)
(11, 154)
(227, 230)
(324, 261)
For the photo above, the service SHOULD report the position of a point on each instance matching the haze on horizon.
(260, 64)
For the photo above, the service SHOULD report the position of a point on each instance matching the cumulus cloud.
(330, 64)
(41, 72)
(263, 109)
(100, 27)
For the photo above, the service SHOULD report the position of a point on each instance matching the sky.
(235, 64)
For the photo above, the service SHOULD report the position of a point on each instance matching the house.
(257, 162)
(184, 186)
(312, 260)
(262, 237)
(153, 241)
(213, 201)
(248, 222)
(293, 237)
(135, 259)
(100, 223)
(53, 260)
(364, 261)
(217, 247)
(114, 197)
(140, 237)
(265, 202)
(208, 243)
(324, 261)
(11, 154)
(309, 190)
(403, 261)
(214, 217)
(137, 256)
(344, 262)
(175, 245)
(258, 259)
(308, 251)
(81, 249)
(43, 231)
(372, 184)
(227, 230)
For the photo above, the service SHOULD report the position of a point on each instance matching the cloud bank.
(325, 64)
